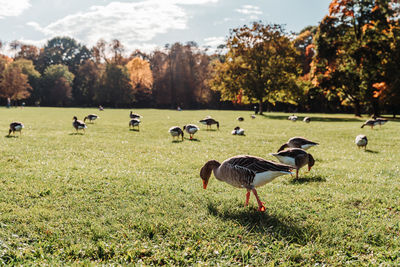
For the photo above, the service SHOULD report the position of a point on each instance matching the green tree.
(260, 65)
(56, 82)
(87, 82)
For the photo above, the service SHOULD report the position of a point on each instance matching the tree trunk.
(375, 108)
(357, 108)
(260, 105)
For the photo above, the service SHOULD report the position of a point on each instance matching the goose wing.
(256, 164)
(300, 141)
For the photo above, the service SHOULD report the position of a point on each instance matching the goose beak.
(309, 168)
(205, 184)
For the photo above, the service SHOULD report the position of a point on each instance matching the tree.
(27, 68)
(13, 83)
(87, 82)
(57, 81)
(141, 77)
(260, 65)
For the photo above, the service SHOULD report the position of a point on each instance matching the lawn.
(113, 195)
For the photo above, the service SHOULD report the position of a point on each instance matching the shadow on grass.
(372, 151)
(284, 117)
(306, 180)
(210, 130)
(177, 141)
(134, 130)
(264, 223)
(192, 140)
(11, 136)
(76, 133)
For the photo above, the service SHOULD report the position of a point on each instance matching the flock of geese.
(243, 171)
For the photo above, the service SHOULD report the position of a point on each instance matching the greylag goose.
(307, 119)
(292, 118)
(371, 123)
(295, 157)
(133, 123)
(191, 129)
(361, 141)
(246, 172)
(209, 121)
(78, 124)
(380, 121)
(238, 131)
(240, 119)
(134, 116)
(298, 142)
(91, 118)
(101, 108)
(253, 116)
(15, 127)
(175, 131)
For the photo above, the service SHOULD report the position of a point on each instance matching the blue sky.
(147, 24)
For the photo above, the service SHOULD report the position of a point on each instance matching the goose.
(191, 129)
(295, 157)
(381, 121)
(91, 118)
(246, 172)
(175, 131)
(78, 124)
(361, 141)
(15, 127)
(133, 123)
(101, 108)
(292, 118)
(209, 121)
(240, 119)
(253, 116)
(298, 142)
(370, 122)
(134, 116)
(238, 131)
(307, 119)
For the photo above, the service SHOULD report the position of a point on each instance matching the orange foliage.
(339, 6)
(380, 88)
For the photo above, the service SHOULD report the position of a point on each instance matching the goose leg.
(260, 204)
(297, 173)
(247, 198)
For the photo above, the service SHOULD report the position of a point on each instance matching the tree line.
(349, 62)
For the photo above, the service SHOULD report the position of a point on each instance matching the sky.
(148, 24)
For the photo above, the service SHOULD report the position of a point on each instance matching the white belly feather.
(307, 146)
(287, 160)
(265, 177)
(18, 128)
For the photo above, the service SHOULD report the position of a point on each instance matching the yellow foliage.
(140, 73)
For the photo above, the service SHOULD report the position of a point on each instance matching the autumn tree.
(27, 67)
(87, 82)
(14, 83)
(57, 85)
(141, 78)
(260, 66)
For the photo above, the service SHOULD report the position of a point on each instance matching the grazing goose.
(15, 127)
(209, 121)
(370, 122)
(133, 123)
(176, 131)
(78, 124)
(134, 116)
(381, 121)
(361, 141)
(295, 157)
(91, 118)
(246, 172)
(238, 131)
(240, 119)
(298, 142)
(292, 118)
(191, 129)
(307, 119)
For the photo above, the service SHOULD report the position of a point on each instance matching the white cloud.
(13, 8)
(249, 10)
(131, 23)
(214, 41)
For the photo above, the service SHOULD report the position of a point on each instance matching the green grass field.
(118, 196)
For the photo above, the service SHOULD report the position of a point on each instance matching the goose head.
(184, 127)
(311, 161)
(217, 125)
(84, 120)
(74, 118)
(205, 172)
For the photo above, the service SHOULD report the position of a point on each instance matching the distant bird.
(240, 119)
(78, 124)
(101, 108)
(209, 121)
(191, 129)
(133, 123)
(175, 131)
(134, 116)
(91, 117)
(298, 142)
(15, 127)
(253, 116)
(238, 131)
(361, 141)
(371, 123)
(295, 157)
(292, 118)
(307, 119)
(246, 172)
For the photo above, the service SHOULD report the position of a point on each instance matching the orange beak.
(309, 168)
(205, 184)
